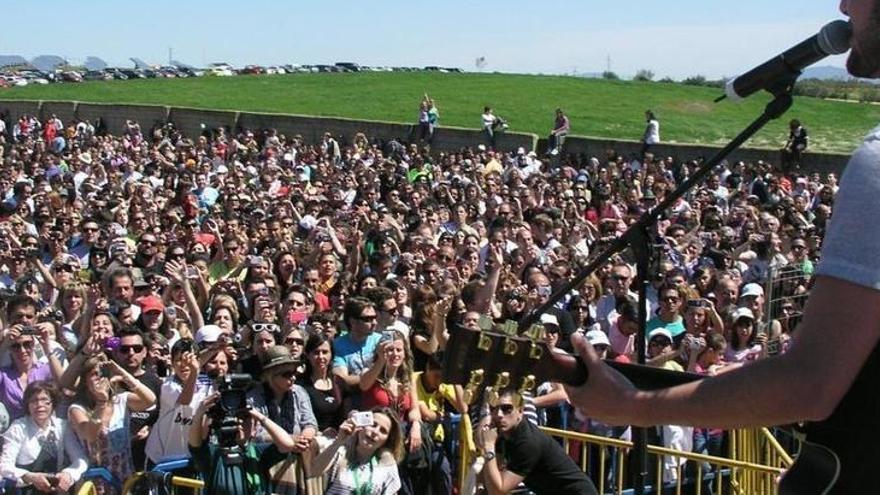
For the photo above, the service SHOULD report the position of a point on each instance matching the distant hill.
(831, 73)
(7, 60)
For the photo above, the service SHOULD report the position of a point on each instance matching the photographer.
(100, 415)
(284, 401)
(242, 467)
(20, 341)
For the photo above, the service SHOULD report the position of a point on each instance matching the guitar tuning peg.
(510, 347)
(502, 381)
(473, 385)
(536, 351)
(527, 385)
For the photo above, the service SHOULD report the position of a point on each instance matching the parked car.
(253, 69)
(349, 66)
(97, 75)
(71, 76)
(219, 69)
(34, 76)
(132, 73)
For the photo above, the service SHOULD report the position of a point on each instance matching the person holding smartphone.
(363, 459)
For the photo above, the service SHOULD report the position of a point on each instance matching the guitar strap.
(853, 431)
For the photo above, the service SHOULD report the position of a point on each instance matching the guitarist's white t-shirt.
(851, 244)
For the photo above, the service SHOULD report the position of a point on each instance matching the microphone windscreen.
(834, 38)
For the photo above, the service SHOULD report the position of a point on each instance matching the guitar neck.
(570, 370)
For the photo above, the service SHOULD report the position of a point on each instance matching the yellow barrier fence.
(741, 476)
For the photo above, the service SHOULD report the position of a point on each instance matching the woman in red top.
(390, 383)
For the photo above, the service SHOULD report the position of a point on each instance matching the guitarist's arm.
(805, 383)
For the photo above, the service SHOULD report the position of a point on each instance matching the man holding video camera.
(232, 462)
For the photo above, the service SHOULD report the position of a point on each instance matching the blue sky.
(677, 38)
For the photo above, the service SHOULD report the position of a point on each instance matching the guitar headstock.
(497, 356)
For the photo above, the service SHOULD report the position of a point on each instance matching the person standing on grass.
(651, 135)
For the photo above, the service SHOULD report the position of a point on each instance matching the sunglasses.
(671, 299)
(265, 327)
(290, 374)
(600, 347)
(294, 340)
(128, 349)
(28, 346)
(366, 318)
(659, 343)
(64, 268)
(504, 408)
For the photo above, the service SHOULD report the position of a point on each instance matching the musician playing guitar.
(830, 373)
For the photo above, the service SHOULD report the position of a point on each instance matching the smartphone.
(363, 418)
(296, 317)
(192, 272)
(255, 261)
(171, 312)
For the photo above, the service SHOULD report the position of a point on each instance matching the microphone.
(833, 39)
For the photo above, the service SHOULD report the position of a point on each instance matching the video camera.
(227, 413)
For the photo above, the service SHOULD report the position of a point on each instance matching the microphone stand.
(641, 235)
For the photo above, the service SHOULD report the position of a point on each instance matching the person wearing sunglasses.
(262, 336)
(19, 342)
(130, 355)
(530, 456)
(282, 400)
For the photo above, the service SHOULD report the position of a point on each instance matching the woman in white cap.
(745, 343)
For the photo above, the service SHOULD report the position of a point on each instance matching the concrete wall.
(812, 162)
(18, 108)
(190, 121)
(64, 110)
(115, 115)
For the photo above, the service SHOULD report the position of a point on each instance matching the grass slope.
(610, 109)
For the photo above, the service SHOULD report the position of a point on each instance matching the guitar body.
(814, 472)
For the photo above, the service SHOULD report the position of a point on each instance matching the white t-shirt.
(169, 437)
(652, 132)
(850, 248)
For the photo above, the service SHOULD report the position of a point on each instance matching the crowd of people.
(249, 300)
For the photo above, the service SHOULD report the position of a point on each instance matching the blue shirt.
(674, 328)
(355, 357)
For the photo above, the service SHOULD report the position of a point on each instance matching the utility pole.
(608, 63)
(170, 55)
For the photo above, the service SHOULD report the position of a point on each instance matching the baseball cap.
(743, 313)
(660, 332)
(151, 303)
(208, 334)
(752, 290)
(597, 337)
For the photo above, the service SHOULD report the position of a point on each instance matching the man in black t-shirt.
(528, 455)
(130, 355)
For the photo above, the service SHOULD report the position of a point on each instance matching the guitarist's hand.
(607, 395)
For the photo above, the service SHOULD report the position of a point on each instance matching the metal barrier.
(739, 477)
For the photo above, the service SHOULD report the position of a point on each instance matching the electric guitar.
(497, 357)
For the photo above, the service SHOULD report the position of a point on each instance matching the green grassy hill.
(611, 109)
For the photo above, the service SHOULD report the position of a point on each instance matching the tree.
(697, 80)
(611, 76)
(644, 75)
